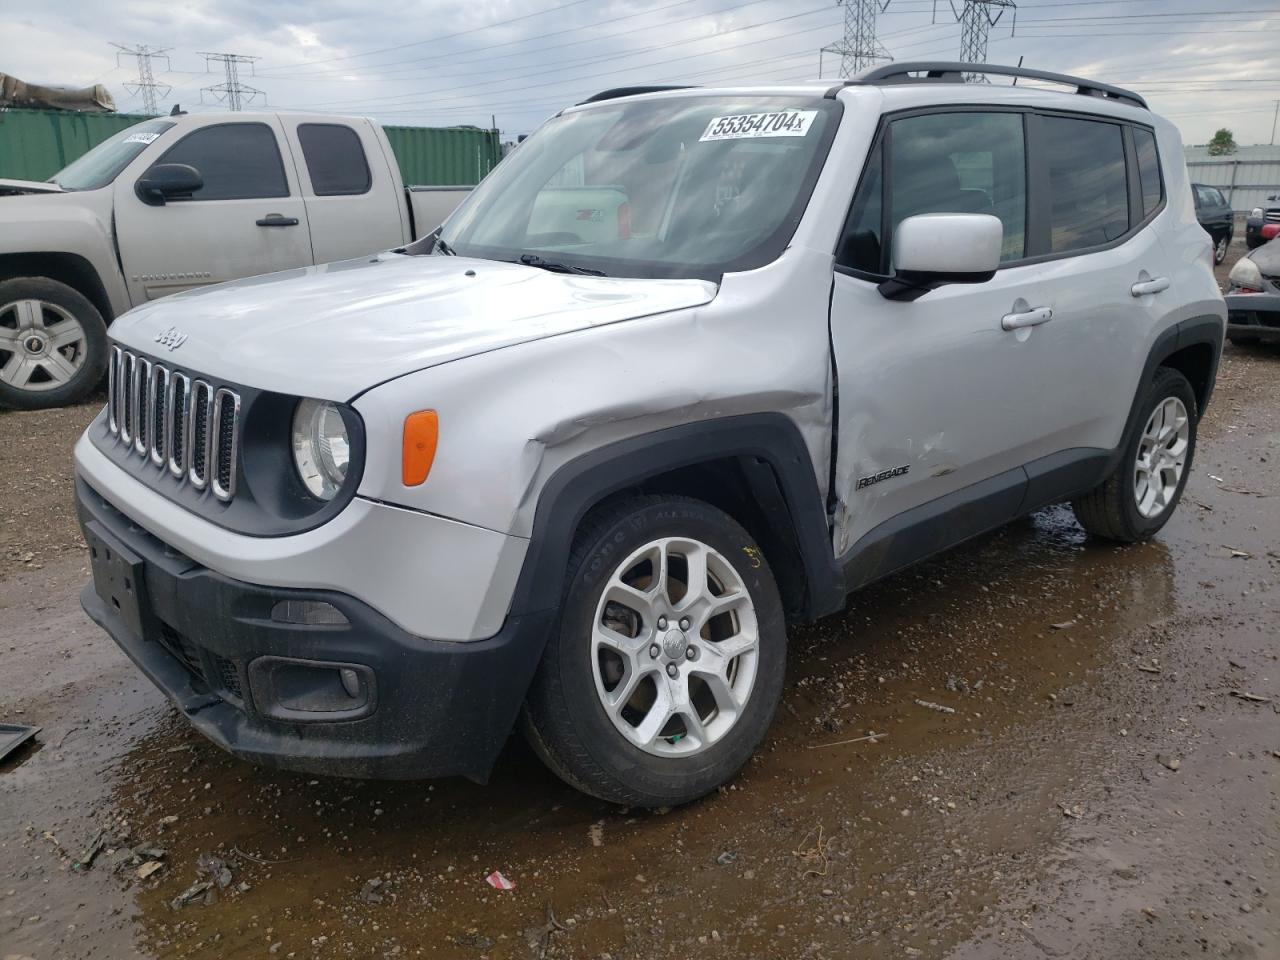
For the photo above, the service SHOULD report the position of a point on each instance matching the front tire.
(1220, 249)
(53, 344)
(1143, 490)
(668, 664)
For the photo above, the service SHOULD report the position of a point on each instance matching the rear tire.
(1143, 490)
(53, 344)
(1220, 249)
(654, 691)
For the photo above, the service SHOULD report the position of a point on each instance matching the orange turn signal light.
(421, 433)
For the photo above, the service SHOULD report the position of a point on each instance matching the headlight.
(321, 448)
(1256, 213)
(1246, 274)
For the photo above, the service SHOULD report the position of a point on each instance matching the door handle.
(1031, 318)
(1155, 285)
(276, 220)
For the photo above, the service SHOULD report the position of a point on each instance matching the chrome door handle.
(1032, 318)
(1155, 285)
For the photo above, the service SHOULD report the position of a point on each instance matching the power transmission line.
(977, 17)
(858, 49)
(231, 91)
(145, 85)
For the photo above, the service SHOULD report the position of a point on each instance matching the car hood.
(17, 187)
(1267, 257)
(335, 330)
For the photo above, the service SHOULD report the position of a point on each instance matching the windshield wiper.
(533, 260)
(444, 247)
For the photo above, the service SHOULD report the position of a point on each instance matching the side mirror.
(934, 249)
(166, 181)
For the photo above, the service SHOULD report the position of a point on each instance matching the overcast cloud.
(439, 63)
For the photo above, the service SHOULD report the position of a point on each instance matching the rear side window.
(237, 161)
(953, 162)
(335, 159)
(1088, 190)
(1148, 170)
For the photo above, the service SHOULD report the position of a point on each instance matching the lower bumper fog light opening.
(312, 691)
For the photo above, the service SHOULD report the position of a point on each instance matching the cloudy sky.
(1203, 63)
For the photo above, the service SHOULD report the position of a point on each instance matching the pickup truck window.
(238, 161)
(101, 165)
(335, 159)
(665, 187)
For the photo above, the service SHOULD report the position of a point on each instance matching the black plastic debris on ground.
(14, 735)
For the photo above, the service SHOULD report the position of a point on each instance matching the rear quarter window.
(1144, 142)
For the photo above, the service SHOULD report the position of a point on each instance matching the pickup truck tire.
(53, 344)
(1220, 248)
(1143, 490)
(651, 693)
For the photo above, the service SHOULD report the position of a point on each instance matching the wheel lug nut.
(654, 651)
(672, 672)
(662, 623)
(691, 653)
(684, 623)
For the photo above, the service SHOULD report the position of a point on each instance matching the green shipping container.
(36, 144)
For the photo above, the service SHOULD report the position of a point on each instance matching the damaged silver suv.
(690, 365)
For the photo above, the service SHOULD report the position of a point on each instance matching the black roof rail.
(617, 92)
(939, 71)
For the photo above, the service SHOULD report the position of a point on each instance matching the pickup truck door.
(350, 186)
(248, 218)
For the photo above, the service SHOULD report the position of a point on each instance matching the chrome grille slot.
(187, 427)
(222, 447)
(1272, 216)
(141, 383)
(158, 401)
(113, 392)
(199, 432)
(179, 406)
(125, 386)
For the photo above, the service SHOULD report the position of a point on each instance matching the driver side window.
(953, 162)
(237, 161)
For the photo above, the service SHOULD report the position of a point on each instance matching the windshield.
(672, 187)
(104, 162)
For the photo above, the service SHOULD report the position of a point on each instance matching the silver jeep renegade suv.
(688, 366)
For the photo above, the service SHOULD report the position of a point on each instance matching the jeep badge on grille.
(172, 338)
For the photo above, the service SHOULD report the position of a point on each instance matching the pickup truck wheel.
(1220, 249)
(1145, 487)
(668, 663)
(53, 344)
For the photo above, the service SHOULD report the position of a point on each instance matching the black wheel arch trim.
(775, 455)
(1208, 330)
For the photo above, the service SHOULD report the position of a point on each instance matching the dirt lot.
(1107, 786)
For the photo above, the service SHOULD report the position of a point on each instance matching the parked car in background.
(179, 202)
(1263, 223)
(1253, 298)
(688, 365)
(1216, 216)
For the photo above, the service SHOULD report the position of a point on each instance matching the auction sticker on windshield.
(780, 123)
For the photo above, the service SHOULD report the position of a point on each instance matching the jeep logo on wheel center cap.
(673, 644)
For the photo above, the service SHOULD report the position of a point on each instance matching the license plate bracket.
(119, 576)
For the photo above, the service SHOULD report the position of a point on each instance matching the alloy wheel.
(1162, 457)
(675, 647)
(42, 345)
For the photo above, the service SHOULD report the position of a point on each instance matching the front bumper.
(1255, 315)
(429, 708)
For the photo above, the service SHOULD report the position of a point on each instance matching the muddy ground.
(1107, 786)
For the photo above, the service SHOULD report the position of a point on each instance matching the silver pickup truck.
(181, 202)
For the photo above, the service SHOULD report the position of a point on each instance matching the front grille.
(1272, 216)
(188, 425)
